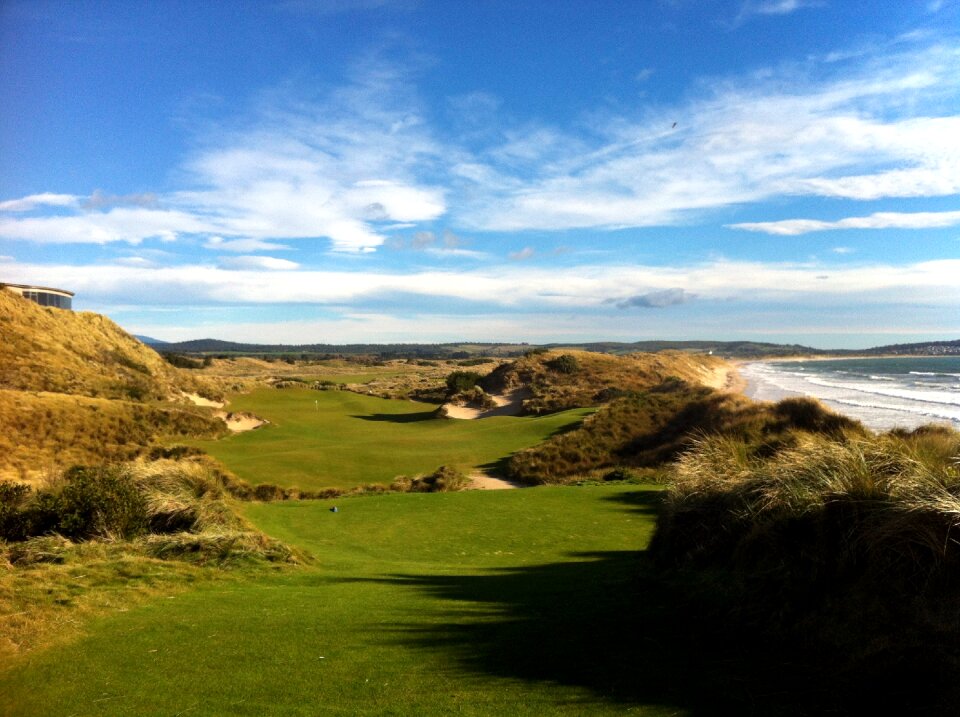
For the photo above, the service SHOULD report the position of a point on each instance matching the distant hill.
(733, 349)
(928, 348)
(727, 349)
(148, 340)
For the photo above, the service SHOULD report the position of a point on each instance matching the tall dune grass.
(846, 546)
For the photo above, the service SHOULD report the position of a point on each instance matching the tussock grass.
(44, 433)
(849, 546)
(651, 428)
(80, 353)
(184, 517)
(443, 480)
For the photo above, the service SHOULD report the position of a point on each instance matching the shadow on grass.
(610, 623)
(644, 501)
(400, 417)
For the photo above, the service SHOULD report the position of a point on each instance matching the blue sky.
(398, 170)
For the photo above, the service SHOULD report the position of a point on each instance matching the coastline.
(881, 398)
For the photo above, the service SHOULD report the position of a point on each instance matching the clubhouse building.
(43, 295)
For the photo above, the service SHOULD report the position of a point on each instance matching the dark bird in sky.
(674, 125)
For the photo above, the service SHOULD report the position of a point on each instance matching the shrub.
(95, 502)
(444, 479)
(14, 523)
(564, 363)
(460, 381)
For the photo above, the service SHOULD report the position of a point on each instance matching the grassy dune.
(318, 439)
(508, 602)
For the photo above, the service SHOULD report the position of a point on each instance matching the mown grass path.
(318, 439)
(503, 602)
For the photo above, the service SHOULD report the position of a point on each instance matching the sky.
(339, 171)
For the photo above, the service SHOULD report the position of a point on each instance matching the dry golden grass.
(80, 353)
(596, 378)
(46, 432)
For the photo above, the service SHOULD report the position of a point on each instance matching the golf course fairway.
(320, 439)
(482, 602)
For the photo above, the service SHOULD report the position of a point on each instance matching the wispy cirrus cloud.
(877, 220)
(258, 262)
(131, 225)
(880, 127)
(347, 166)
(243, 245)
(46, 199)
(330, 169)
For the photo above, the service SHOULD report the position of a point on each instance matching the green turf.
(318, 439)
(509, 602)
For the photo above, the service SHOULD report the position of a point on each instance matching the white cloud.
(251, 280)
(444, 252)
(242, 245)
(878, 220)
(525, 253)
(121, 224)
(5, 258)
(781, 7)
(258, 262)
(136, 261)
(26, 204)
(329, 170)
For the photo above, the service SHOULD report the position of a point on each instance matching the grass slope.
(80, 353)
(319, 439)
(505, 602)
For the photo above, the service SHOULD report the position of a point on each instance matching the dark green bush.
(14, 522)
(98, 502)
(181, 361)
(564, 364)
(460, 381)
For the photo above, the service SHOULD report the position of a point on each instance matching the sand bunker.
(481, 481)
(197, 400)
(508, 404)
(239, 422)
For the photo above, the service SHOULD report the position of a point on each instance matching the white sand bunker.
(197, 400)
(482, 481)
(239, 422)
(508, 404)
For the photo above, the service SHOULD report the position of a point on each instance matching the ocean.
(883, 393)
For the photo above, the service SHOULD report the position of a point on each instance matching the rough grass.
(850, 547)
(572, 379)
(49, 584)
(650, 428)
(44, 433)
(320, 439)
(80, 353)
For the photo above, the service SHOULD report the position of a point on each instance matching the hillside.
(79, 353)
(573, 379)
(76, 389)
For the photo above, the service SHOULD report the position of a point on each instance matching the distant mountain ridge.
(728, 349)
